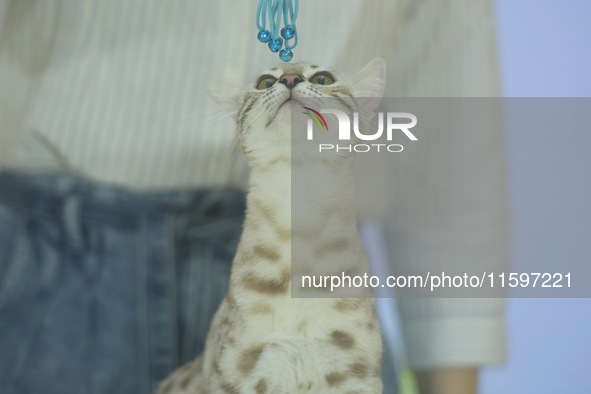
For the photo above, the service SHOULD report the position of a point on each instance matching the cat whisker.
(238, 88)
(253, 118)
(234, 153)
(203, 125)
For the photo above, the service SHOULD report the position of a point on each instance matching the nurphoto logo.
(395, 122)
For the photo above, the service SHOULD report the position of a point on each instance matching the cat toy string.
(275, 12)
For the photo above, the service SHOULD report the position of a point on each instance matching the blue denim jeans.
(105, 291)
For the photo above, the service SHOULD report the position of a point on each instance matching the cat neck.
(300, 220)
(300, 195)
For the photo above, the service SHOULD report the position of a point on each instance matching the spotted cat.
(262, 339)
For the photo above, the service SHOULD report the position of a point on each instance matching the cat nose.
(291, 80)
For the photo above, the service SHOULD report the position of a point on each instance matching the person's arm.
(449, 202)
(448, 381)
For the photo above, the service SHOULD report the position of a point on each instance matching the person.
(121, 199)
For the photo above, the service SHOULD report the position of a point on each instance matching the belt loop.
(72, 222)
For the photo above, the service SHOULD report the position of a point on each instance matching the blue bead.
(264, 36)
(275, 44)
(288, 32)
(286, 54)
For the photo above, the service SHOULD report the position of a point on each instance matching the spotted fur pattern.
(262, 340)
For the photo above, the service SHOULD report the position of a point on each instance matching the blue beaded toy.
(272, 11)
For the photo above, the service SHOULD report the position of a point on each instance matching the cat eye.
(265, 82)
(322, 78)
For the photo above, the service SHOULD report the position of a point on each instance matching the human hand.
(461, 380)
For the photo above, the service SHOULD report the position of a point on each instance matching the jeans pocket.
(203, 277)
(29, 268)
(11, 245)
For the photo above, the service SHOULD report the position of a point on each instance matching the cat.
(263, 340)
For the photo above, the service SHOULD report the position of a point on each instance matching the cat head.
(265, 116)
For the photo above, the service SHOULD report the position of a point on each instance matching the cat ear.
(370, 80)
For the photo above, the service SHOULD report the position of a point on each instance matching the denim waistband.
(45, 194)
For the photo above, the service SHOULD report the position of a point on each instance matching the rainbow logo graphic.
(317, 116)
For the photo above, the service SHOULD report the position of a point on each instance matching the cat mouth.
(291, 98)
(288, 100)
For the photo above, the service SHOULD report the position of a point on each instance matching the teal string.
(289, 8)
(273, 13)
(275, 16)
(293, 12)
(261, 11)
